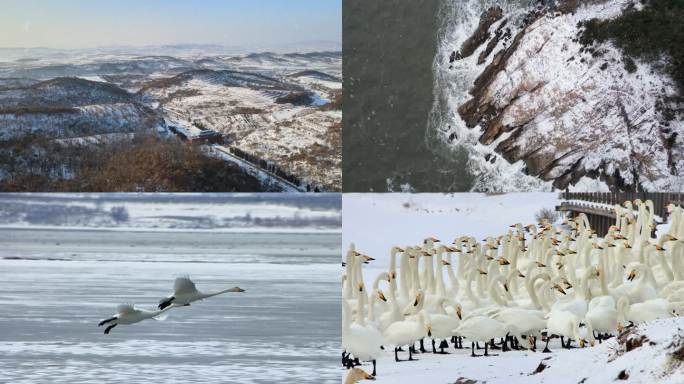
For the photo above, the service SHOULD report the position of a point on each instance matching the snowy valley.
(274, 117)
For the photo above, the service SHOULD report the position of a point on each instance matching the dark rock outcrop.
(481, 34)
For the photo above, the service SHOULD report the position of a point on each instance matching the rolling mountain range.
(268, 104)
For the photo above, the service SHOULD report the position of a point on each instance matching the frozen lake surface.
(57, 284)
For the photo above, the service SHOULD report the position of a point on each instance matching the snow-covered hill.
(539, 109)
(71, 107)
(283, 108)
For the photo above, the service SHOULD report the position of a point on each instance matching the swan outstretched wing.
(183, 286)
(123, 309)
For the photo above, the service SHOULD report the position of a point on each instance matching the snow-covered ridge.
(536, 109)
(279, 107)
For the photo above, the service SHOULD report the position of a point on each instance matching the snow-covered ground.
(660, 362)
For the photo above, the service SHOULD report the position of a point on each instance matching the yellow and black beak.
(631, 275)
(382, 296)
(559, 288)
(504, 261)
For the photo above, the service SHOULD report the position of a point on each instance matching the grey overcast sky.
(100, 23)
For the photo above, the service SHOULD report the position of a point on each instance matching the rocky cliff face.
(565, 110)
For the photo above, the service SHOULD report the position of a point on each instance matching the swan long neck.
(346, 315)
(493, 293)
(360, 315)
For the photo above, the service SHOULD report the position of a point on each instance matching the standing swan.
(127, 314)
(185, 292)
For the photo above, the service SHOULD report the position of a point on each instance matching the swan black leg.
(546, 347)
(396, 357)
(472, 349)
(373, 374)
(460, 342)
(422, 346)
(411, 355)
(504, 346)
(568, 346)
(109, 329)
(443, 344)
(492, 345)
(434, 350)
(103, 322)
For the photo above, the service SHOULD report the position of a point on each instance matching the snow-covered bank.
(658, 359)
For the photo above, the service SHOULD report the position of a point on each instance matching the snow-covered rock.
(553, 109)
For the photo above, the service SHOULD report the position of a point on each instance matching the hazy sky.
(93, 23)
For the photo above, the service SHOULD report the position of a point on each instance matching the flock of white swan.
(184, 293)
(535, 282)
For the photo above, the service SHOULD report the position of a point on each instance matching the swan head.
(559, 288)
(236, 289)
(419, 297)
(504, 261)
(357, 374)
(631, 275)
(445, 262)
(381, 296)
(366, 259)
